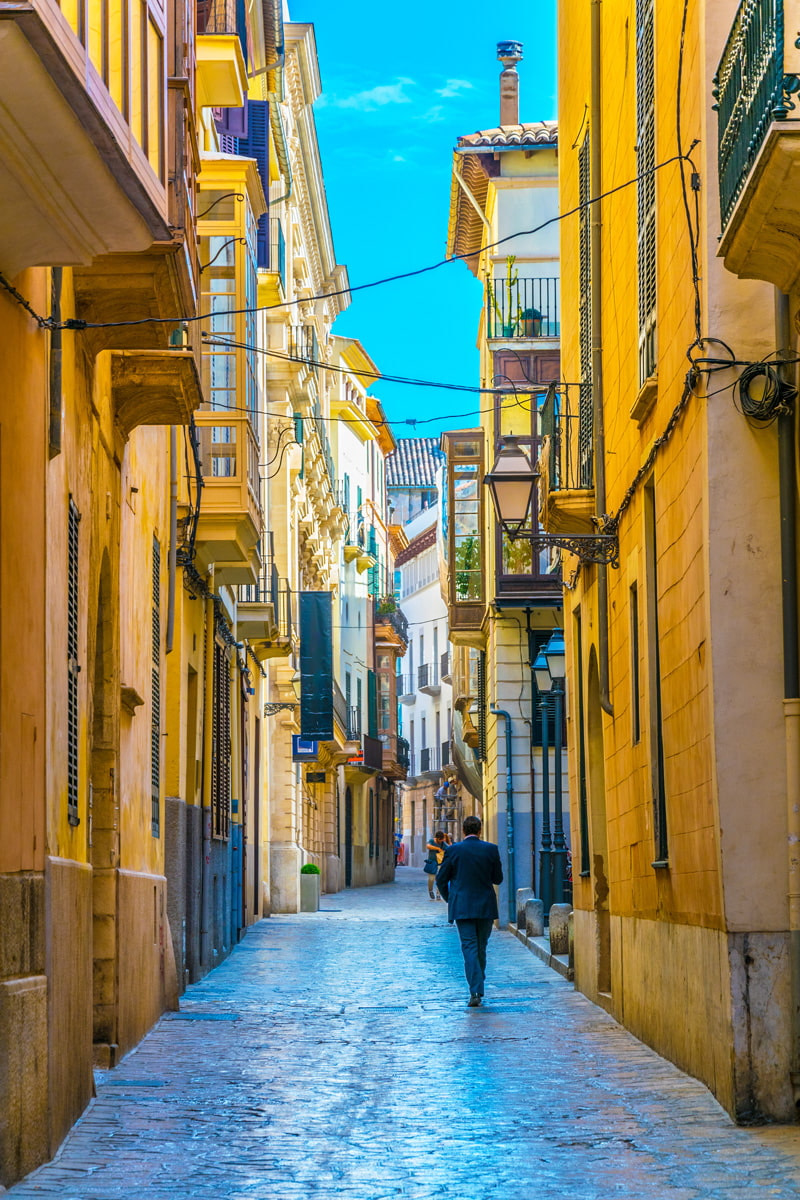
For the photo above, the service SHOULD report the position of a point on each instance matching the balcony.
(391, 624)
(406, 689)
(403, 760)
(149, 387)
(264, 614)
(353, 724)
(522, 308)
(75, 182)
(230, 512)
(272, 276)
(429, 761)
(447, 755)
(428, 679)
(444, 668)
(758, 145)
(566, 485)
(221, 69)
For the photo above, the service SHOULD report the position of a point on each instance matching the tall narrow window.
(646, 187)
(636, 730)
(654, 680)
(585, 415)
(73, 665)
(221, 745)
(583, 799)
(155, 727)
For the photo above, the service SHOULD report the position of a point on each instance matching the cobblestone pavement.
(332, 1055)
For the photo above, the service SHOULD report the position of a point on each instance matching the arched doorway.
(598, 831)
(348, 837)
(104, 819)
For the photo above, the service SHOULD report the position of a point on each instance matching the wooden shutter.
(73, 665)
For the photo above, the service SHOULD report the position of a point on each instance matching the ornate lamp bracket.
(271, 710)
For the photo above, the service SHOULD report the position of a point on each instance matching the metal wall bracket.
(271, 710)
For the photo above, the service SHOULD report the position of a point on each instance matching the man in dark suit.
(465, 880)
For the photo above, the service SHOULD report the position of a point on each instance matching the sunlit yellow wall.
(669, 931)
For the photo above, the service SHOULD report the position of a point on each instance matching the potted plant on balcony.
(386, 605)
(309, 888)
(532, 322)
(506, 309)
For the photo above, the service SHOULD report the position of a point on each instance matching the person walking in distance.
(466, 881)
(435, 850)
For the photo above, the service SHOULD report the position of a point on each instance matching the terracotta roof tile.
(414, 463)
(531, 133)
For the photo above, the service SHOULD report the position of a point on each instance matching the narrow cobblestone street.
(333, 1055)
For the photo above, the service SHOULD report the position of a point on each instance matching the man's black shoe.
(474, 1001)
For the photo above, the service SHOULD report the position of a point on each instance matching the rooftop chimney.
(509, 54)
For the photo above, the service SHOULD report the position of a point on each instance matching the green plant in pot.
(532, 322)
(309, 888)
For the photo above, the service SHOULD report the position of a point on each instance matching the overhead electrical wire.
(75, 323)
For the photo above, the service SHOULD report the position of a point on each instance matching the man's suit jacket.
(465, 879)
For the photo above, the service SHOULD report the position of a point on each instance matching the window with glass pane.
(219, 296)
(466, 531)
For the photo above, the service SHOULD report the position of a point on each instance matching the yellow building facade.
(683, 752)
(97, 191)
(504, 595)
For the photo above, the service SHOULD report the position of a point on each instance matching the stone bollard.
(534, 918)
(523, 894)
(559, 928)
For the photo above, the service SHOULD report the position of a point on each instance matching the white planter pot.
(309, 893)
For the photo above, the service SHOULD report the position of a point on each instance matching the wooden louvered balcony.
(76, 182)
(230, 523)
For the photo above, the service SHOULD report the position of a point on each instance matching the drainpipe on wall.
(599, 439)
(512, 891)
(787, 483)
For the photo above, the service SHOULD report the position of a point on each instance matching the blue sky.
(400, 84)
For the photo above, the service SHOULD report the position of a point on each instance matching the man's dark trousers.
(466, 879)
(474, 936)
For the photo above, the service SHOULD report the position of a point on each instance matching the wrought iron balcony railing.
(341, 710)
(430, 759)
(303, 344)
(444, 667)
(566, 424)
(387, 615)
(752, 89)
(522, 308)
(354, 725)
(402, 753)
(428, 675)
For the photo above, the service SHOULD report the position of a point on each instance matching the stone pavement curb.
(541, 948)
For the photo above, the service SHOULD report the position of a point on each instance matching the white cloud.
(377, 97)
(452, 88)
(433, 115)
(398, 158)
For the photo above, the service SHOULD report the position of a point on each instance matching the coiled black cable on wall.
(763, 394)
